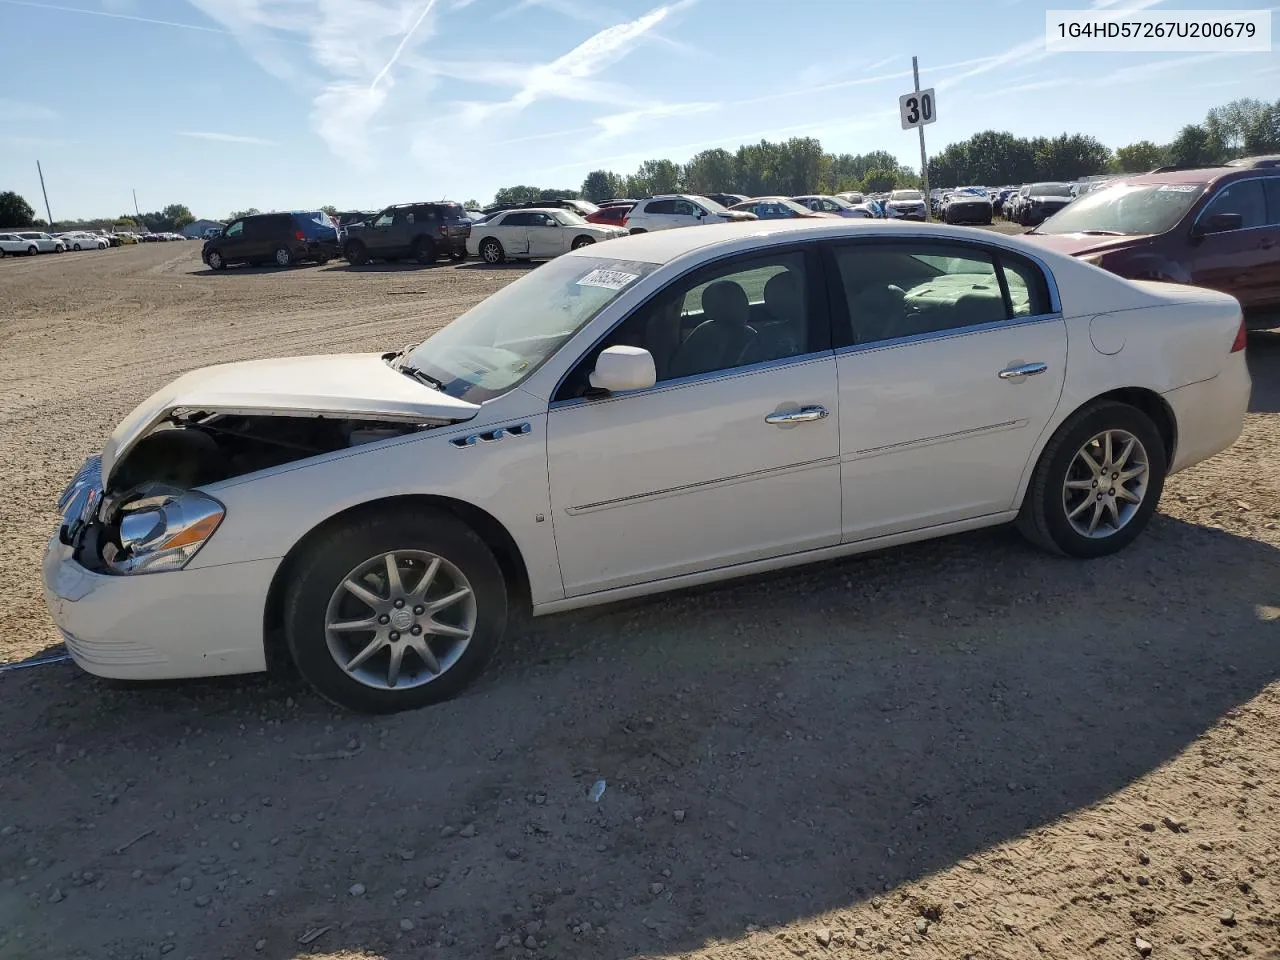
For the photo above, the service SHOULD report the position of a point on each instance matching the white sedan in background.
(534, 234)
(665, 410)
(84, 241)
(11, 244)
(44, 243)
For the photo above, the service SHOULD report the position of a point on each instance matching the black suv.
(424, 231)
(280, 238)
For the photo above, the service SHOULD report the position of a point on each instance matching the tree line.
(800, 165)
(16, 212)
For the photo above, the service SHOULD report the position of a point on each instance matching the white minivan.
(679, 210)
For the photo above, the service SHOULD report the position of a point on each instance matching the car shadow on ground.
(780, 747)
(1263, 352)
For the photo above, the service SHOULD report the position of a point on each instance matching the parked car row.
(29, 243)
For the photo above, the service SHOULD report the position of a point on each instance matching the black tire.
(332, 557)
(635, 230)
(76, 248)
(457, 256)
(216, 261)
(283, 257)
(1043, 516)
(321, 261)
(356, 253)
(32, 251)
(491, 251)
(424, 250)
(580, 242)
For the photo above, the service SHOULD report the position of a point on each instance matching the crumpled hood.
(357, 385)
(1081, 244)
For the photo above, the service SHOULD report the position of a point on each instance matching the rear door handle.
(1022, 370)
(803, 415)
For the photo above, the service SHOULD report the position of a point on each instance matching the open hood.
(354, 385)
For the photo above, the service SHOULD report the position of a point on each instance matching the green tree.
(711, 171)
(1141, 157)
(15, 211)
(1246, 126)
(330, 209)
(237, 214)
(1195, 146)
(125, 223)
(177, 216)
(602, 185)
(517, 194)
(802, 167)
(471, 205)
(878, 180)
(655, 177)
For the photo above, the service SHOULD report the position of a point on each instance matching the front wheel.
(76, 248)
(395, 611)
(356, 253)
(491, 251)
(284, 257)
(215, 261)
(32, 251)
(1097, 483)
(580, 242)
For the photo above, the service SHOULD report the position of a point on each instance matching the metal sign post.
(917, 109)
(924, 161)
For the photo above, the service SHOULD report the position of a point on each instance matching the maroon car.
(1216, 228)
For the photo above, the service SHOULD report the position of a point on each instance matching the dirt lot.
(958, 749)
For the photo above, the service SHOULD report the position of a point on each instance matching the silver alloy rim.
(400, 620)
(1106, 484)
(491, 253)
(215, 260)
(282, 257)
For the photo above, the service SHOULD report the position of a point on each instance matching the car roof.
(664, 246)
(1196, 175)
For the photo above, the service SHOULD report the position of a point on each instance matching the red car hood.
(1081, 244)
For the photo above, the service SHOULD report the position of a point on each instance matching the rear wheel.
(1097, 483)
(356, 253)
(395, 611)
(424, 250)
(635, 230)
(76, 247)
(283, 257)
(215, 261)
(3, 253)
(457, 256)
(491, 251)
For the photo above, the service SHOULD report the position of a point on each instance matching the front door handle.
(1022, 370)
(803, 415)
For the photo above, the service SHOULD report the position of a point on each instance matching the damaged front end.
(150, 516)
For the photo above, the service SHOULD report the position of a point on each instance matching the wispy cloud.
(617, 124)
(113, 15)
(20, 111)
(226, 137)
(568, 77)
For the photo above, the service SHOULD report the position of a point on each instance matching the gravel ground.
(962, 748)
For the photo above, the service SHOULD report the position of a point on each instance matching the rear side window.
(913, 288)
(1028, 290)
(1244, 197)
(449, 211)
(517, 220)
(660, 206)
(1271, 187)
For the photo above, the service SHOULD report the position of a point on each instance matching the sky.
(291, 104)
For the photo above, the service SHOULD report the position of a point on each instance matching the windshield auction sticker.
(1157, 31)
(609, 279)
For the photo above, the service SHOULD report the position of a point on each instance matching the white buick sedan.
(535, 234)
(670, 409)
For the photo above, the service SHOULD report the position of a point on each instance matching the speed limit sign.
(917, 108)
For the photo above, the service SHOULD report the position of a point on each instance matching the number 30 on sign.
(917, 108)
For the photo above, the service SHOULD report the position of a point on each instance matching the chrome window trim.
(1219, 188)
(696, 378)
(951, 333)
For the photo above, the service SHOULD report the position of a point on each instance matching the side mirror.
(619, 369)
(1219, 223)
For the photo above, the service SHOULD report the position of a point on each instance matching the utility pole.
(924, 160)
(47, 211)
(135, 207)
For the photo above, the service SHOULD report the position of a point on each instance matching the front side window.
(683, 208)
(1245, 198)
(235, 230)
(385, 220)
(907, 289)
(504, 339)
(747, 311)
(1271, 187)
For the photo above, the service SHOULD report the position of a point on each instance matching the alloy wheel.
(1105, 484)
(400, 619)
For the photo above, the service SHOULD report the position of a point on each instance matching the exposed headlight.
(161, 530)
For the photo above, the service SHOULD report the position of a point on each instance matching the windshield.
(502, 340)
(1051, 190)
(568, 218)
(1126, 208)
(905, 195)
(710, 205)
